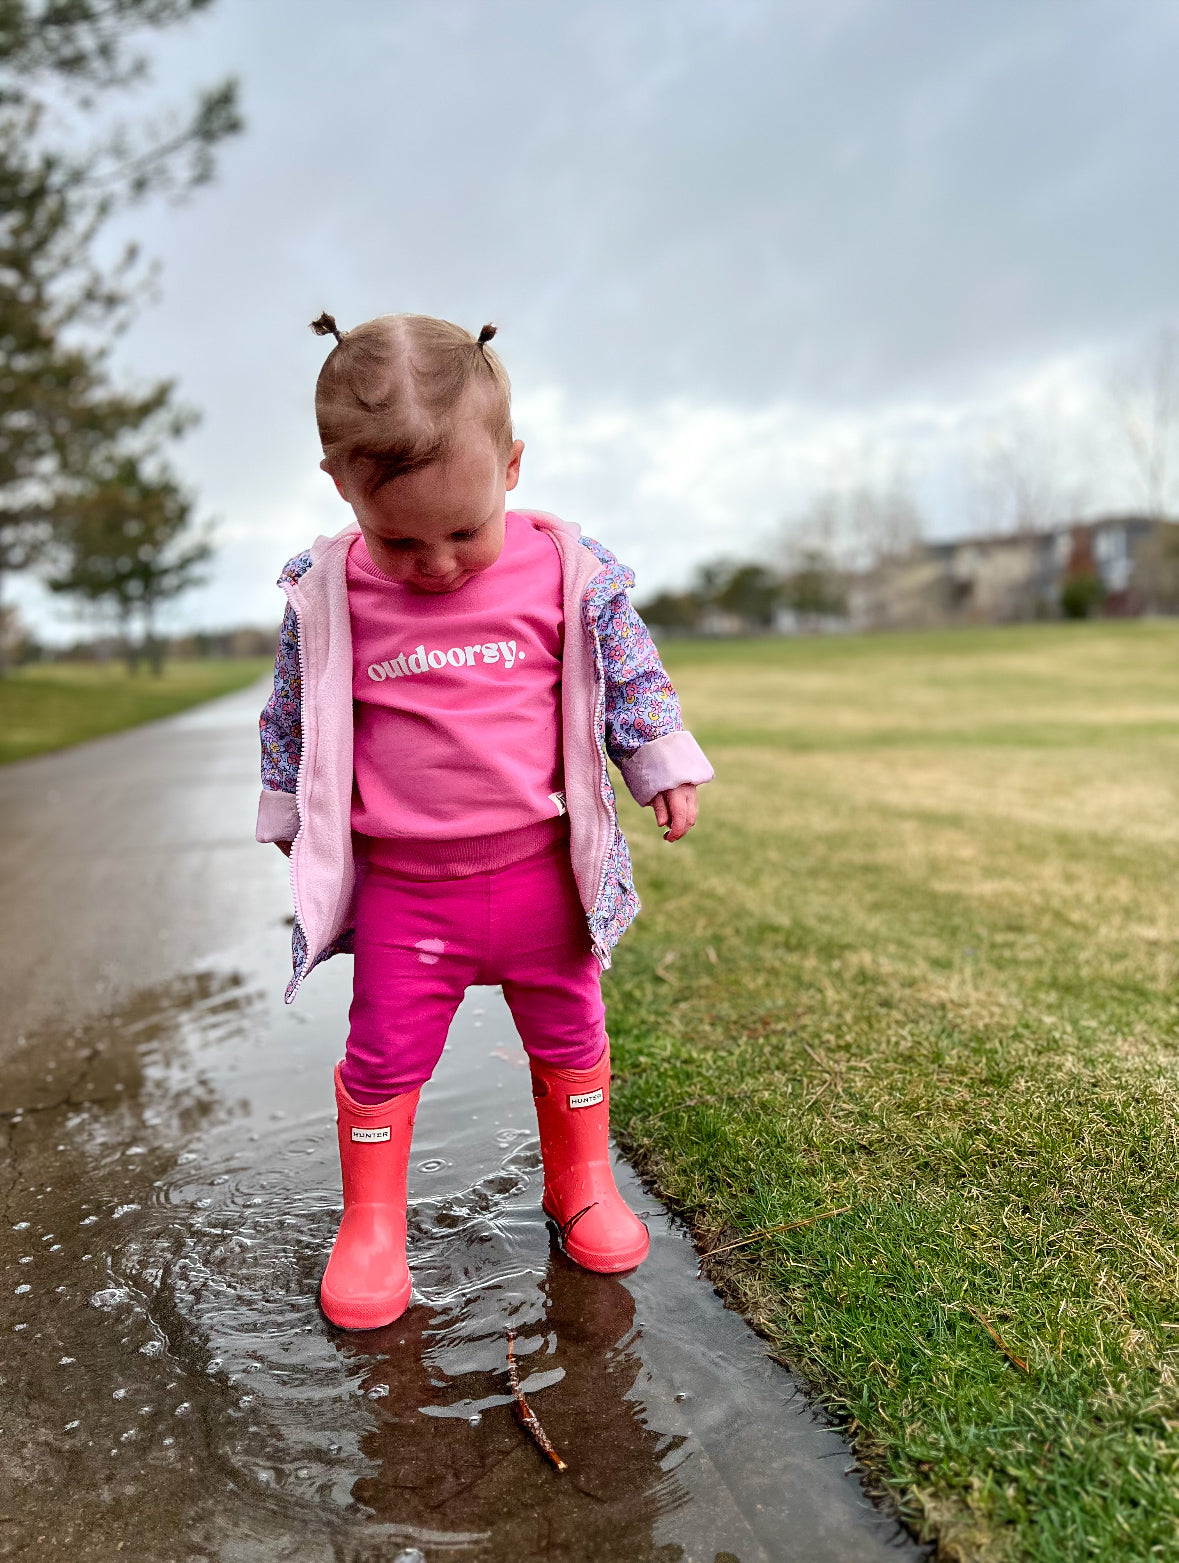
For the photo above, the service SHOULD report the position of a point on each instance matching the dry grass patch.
(930, 985)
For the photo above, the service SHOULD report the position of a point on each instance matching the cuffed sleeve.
(278, 818)
(665, 763)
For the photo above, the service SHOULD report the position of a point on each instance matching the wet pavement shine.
(170, 1193)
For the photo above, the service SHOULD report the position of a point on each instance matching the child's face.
(436, 528)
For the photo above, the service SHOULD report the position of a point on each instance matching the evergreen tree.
(132, 547)
(65, 427)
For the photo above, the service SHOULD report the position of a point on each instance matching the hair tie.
(326, 326)
(485, 336)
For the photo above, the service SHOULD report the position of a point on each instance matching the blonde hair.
(389, 392)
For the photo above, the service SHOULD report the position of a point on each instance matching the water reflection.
(173, 1191)
(579, 1366)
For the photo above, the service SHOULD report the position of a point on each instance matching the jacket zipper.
(300, 788)
(602, 954)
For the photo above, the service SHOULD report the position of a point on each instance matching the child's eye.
(462, 536)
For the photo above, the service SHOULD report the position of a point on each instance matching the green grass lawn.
(53, 706)
(910, 994)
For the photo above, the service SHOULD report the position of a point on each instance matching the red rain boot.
(599, 1230)
(366, 1283)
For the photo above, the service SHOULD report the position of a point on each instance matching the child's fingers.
(682, 801)
(659, 804)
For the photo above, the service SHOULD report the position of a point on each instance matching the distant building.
(1119, 565)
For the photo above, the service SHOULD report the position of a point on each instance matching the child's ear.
(339, 486)
(512, 476)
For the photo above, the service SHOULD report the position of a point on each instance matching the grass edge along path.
(926, 1029)
(53, 706)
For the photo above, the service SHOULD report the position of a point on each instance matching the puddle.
(170, 1196)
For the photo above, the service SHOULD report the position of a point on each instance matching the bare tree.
(1023, 476)
(854, 526)
(1146, 398)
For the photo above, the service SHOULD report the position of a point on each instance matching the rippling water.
(174, 1197)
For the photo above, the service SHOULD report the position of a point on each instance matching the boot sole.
(365, 1315)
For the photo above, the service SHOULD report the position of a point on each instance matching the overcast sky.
(736, 250)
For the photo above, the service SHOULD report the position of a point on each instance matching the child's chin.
(436, 589)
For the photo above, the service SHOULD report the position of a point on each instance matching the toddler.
(450, 681)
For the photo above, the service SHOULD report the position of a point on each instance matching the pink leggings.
(421, 943)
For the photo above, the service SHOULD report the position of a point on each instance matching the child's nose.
(436, 562)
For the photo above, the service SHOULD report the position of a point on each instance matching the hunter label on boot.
(590, 1099)
(370, 1136)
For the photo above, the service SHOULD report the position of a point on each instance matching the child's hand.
(676, 809)
(284, 847)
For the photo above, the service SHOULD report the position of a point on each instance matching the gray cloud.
(841, 207)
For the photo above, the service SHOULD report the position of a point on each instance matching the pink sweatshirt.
(307, 738)
(457, 696)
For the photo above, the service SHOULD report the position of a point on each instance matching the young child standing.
(450, 681)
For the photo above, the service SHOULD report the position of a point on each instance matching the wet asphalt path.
(170, 1189)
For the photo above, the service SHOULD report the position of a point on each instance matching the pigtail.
(485, 336)
(326, 326)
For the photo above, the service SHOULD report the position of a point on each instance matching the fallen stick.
(785, 1226)
(525, 1415)
(998, 1339)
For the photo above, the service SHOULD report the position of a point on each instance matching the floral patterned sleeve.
(640, 703)
(280, 724)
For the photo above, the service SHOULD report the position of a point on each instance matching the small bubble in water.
(378, 1392)
(182, 1409)
(55, 1249)
(410, 1555)
(20, 1326)
(119, 1394)
(26, 1259)
(682, 1396)
(19, 1290)
(152, 1348)
(64, 1362)
(475, 1420)
(20, 1226)
(168, 1442)
(125, 1438)
(124, 1210)
(70, 1426)
(87, 1221)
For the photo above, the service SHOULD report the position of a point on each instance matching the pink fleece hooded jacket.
(616, 702)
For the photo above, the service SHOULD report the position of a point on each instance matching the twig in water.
(785, 1226)
(525, 1415)
(998, 1339)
